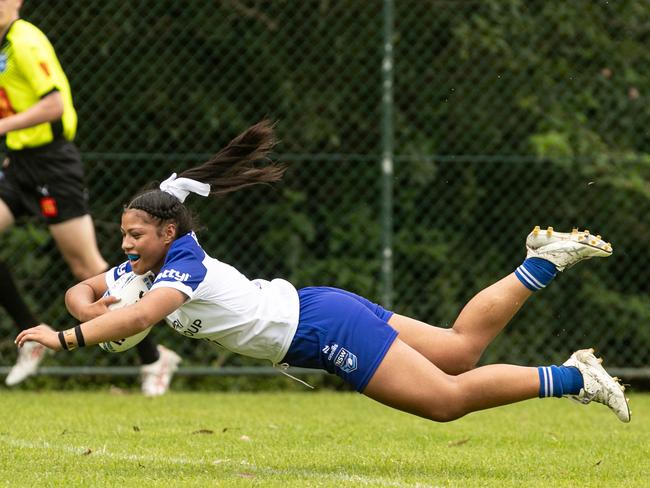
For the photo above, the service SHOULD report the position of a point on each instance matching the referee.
(43, 176)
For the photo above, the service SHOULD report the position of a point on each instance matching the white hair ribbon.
(181, 187)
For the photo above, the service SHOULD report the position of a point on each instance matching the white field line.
(365, 480)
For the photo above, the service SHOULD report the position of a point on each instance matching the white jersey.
(255, 318)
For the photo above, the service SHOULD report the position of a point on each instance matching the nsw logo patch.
(341, 357)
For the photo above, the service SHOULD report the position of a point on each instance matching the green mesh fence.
(425, 140)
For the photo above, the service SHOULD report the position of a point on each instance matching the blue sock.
(559, 380)
(536, 273)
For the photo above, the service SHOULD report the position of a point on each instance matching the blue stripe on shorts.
(342, 333)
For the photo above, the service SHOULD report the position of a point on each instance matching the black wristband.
(62, 341)
(80, 337)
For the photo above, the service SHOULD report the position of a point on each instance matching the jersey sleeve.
(113, 274)
(183, 270)
(34, 58)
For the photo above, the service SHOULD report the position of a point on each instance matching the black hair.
(243, 162)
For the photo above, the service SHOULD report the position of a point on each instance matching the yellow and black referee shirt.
(30, 70)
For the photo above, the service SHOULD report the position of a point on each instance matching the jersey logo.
(3, 62)
(45, 69)
(174, 275)
(5, 105)
(121, 269)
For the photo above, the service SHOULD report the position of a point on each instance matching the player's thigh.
(415, 332)
(446, 348)
(408, 381)
(77, 242)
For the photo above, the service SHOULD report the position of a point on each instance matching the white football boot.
(564, 249)
(29, 358)
(157, 375)
(598, 385)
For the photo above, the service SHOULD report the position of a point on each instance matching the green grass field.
(311, 439)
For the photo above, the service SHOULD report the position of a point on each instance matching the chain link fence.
(425, 139)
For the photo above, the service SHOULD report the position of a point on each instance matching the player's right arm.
(86, 300)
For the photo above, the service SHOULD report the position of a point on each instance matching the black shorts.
(46, 181)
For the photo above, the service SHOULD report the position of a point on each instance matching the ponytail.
(243, 162)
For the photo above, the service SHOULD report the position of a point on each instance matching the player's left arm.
(86, 300)
(47, 109)
(116, 324)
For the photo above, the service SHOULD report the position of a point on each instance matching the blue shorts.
(342, 333)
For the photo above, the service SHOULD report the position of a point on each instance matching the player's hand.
(6, 162)
(43, 334)
(95, 309)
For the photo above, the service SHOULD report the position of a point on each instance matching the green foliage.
(507, 114)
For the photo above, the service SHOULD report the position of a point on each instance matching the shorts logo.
(330, 350)
(48, 207)
(346, 360)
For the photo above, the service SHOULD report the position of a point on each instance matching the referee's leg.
(77, 242)
(6, 217)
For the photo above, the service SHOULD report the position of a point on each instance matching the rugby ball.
(129, 288)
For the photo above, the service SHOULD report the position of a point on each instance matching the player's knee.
(447, 415)
(448, 403)
(79, 269)
(466, 353)
(465, 363)
(83, 268)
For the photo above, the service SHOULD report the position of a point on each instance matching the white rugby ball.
(129, 288)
